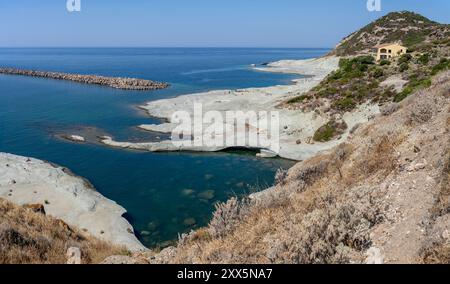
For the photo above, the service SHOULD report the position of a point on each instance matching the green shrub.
(414, 38)
(343, 62)
(403, 94)
(404, 59)
(403, 67)
(424, 59)
(423, 82)
(442, 65)
(345, 104)
(367, 60)
(378, 72)
(325, 133)
(374, 84)
(385, 62)
(335, 76)
(298, 99)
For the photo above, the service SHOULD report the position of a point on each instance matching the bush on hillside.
(385, 62)
(403, 67)
(404, 58)
(424, 59)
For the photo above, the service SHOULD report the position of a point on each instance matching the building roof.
(387, 44)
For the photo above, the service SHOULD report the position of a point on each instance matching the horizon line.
(236, 47)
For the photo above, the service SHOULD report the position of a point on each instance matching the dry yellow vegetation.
(30, 237)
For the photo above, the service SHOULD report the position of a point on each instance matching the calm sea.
(164, 193)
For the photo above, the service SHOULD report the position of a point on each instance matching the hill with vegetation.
(360, 79)
(408, 28)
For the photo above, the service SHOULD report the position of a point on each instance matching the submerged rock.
(189, 221)
(207, 194)
(208, 177)
(187, 192)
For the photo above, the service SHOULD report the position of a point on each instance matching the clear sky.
(195, 23)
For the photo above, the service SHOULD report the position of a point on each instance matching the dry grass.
(379, 155)
(27, 237)
(312, 217)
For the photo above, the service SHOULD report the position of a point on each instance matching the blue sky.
(195, 23)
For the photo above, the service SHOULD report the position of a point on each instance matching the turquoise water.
(164, 193)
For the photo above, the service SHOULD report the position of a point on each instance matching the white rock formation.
(76, 138)
(295, 125)
(66, 197)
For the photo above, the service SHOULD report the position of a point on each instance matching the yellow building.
(389, 50)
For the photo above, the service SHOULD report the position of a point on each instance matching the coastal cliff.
(373, 186)
(113, 82)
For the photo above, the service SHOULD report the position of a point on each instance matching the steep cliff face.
(382, 197)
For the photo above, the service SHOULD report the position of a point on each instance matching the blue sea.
(164, 193)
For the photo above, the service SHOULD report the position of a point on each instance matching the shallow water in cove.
(164, 193)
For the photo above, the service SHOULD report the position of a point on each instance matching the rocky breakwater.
(113, 82)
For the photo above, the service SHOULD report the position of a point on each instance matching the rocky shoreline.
(113, 82)
(67, 197)
(296, 127)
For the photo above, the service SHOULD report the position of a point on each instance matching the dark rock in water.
(265, 64)
(189, 222)
(187, 192)
(208, 177)
(152, 226)
(113, 82)
(207, 195)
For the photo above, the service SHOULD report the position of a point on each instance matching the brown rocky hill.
(407, 28)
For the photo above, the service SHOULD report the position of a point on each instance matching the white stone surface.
(295, 125)
(66, 197)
